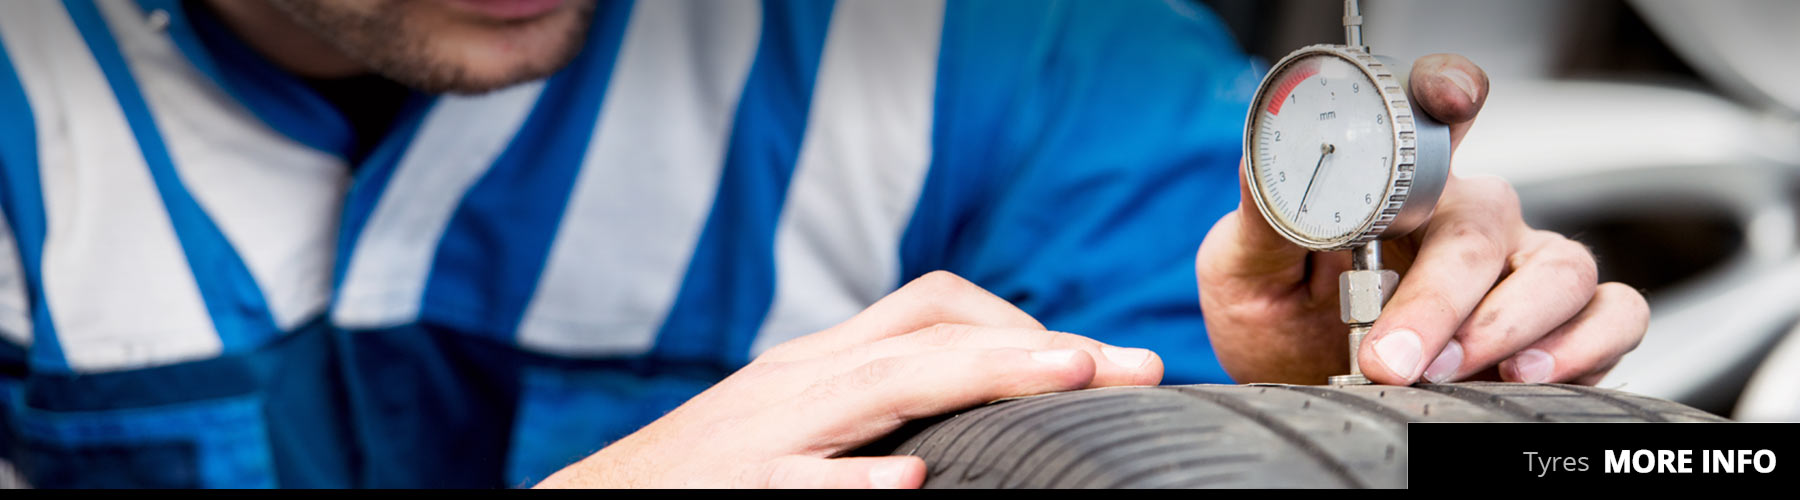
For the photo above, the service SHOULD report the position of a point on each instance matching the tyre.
(1233, 436)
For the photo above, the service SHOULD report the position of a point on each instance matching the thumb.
(1452, 88)
(1243, 245)
(845, 473)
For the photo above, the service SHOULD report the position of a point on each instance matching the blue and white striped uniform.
(201, 284)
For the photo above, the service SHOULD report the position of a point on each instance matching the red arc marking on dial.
(1299, 72)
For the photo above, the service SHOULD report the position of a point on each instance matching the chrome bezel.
(1416, 175)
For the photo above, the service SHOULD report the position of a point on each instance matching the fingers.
(1451, 88)
(1260, 249)
(875, 398)
(937, 297)
(1463, 253)
(1242, 246)
(803, 472)
(1116, 365)
(1586, 347)
(1552, 279)
(1245, 251)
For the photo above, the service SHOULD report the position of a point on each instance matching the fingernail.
(1129, 357)
(1399, 350)
(1463, 81)
(1533, 366)
(1056, 357)
(886, 475)
(1444, 367)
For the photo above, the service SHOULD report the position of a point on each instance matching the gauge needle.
(1324, 151)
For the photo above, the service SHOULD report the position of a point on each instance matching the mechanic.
(467, 243)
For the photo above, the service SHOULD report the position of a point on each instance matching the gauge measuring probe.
(1339, 157)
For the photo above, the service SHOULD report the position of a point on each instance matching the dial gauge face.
(1322, 144)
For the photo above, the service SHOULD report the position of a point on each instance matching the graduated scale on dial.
(1339, 157)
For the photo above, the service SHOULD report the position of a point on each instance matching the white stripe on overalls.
(862, 164)
(275, 200)
(648, 181)
(117, 283)
(392, 258)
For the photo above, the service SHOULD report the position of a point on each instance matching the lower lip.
(510, 10)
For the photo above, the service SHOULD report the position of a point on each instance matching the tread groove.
(1294, 437)
(1089, 435)
(1156, 452)
(1621, 403)
(1023, 416)
(1484, 399)
(1192, 462)
(1353, 401)
(925, 436)
(1081, 425)
(1091, 454)
(959, 446)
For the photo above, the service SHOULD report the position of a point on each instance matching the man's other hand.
(937, 345)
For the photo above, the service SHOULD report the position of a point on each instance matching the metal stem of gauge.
(1353, 25)
(1366, 257)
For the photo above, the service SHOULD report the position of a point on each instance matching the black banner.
(1456, 455)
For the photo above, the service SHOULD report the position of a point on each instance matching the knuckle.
(937, 283)
(791, 473)
(939, 292)
(1626, 297)
(1546, 235)
(857, 351)
(1496, 192)
(776, 473)
(945, 334)
(1002, 360)
(870, 374)
(1480, 246)
(942, 275)
(756, 478)
(1574, 259)
(1052, 339)
(1628, 302)
(1506, 196)
(1434, 301)
(1005, 367)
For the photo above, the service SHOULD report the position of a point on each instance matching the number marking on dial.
(1339, 164)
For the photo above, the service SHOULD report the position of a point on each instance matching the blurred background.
(1664, 134)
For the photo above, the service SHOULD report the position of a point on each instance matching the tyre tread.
(1262, 435)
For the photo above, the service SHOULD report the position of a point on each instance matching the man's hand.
(1482, 295)
(937, 345)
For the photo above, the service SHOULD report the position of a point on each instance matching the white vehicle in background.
(1689, 193)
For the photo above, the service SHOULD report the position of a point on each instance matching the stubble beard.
(384, 43)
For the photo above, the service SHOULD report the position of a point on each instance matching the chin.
(492, 56)
(450, 46)
(480, 54)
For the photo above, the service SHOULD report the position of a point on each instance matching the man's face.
(460, 46)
